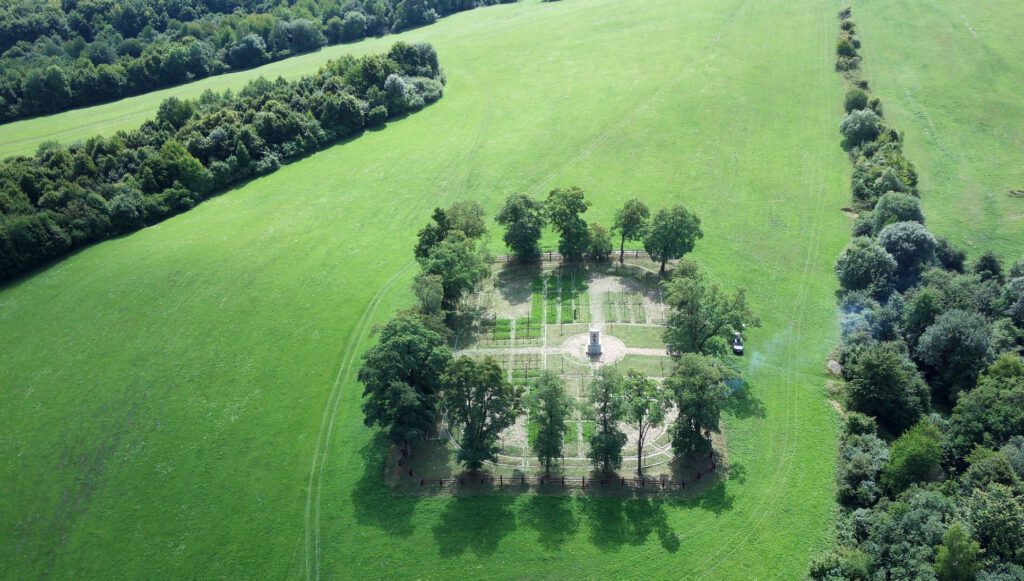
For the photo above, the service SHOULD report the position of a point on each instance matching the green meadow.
(181, 402)
(949, 73)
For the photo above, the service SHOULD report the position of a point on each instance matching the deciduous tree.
(646, 404)
(698, 390)
(481, 403)
(606, 408)
(565, 208)
(702, 311)
(673, 233)
(549, 410)
(631, 223)
(524, 219)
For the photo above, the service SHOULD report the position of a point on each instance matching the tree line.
(411, 378)
(83, 52)
(66, 197)
(931, 459)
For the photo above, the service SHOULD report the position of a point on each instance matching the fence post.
(501, 480)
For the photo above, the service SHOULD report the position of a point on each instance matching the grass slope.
(166, 395)
(949, 73)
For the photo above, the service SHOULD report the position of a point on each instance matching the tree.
(698, 389)
(646, 404)
(549, 410)
(429, 289)
(401, 377)
(996, 519)
(990, 414)
(860, 126)
(864, 265)
(883, 382)
(523, 218)
(631, 223)
(702, 311)
(600, 245)
(950, 257)
(989, 267)
(913, 247)
(460, 265)
(565, 206)
(916, 456)
(431, 234)
(604, 395)
(895, 207)
(861, 458)
(956, 558)
(855, 100)
(672, 234)
(481, 402)
(953, 351)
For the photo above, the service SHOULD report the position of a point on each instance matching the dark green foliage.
(549, 410)
(915, 457)
(645, 404)
(986, 466)
(950, 257)
(953, 351)
(599, 246)
(703, 317)
(401, 377)
(900, 537)
(895, 207)
(881, 167)
(565, 207)
(913, 247)
(67, 197)
(858, 424)
(604, 396)
(860, 126)
(845, 48)
(861, 458)
(631, 223)
(988, 266)
(460, 265)
(990, 414)
(840, 563)
(480, 402)
(79, 53)
(697, 387)
(883, 382)
(1013, 300)
(465, 217)
(672, 234)
(866, 266)
(524, 219)
(855, 100)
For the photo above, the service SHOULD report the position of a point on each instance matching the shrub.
(895, 207)
(950, 257)
(883, 382)
(860, 126)
(377, 116)
(875, 104)
(915, 456)
(855, 100)
(989, 267)
(866, 266)
(913, 247)
(861, 459)
(953, 351)
(845, 48)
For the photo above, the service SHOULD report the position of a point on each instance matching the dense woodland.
(66, 197)
(931, 461)
(59, 55)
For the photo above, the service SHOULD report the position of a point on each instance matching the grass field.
(949, 73)
(181, 402)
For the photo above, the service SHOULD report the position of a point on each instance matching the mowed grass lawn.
(181, 402)
(950, 75)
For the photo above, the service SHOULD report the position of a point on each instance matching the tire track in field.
(322, 449)
(645, 106)
(818, 182)
(316, 471)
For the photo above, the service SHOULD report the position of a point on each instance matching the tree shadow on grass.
(375, 503)
(553, 518)
(474, 523)
(742, 403)
(616, 521)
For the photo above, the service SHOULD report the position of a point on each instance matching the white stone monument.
(594, 347)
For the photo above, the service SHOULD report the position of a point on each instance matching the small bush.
(875, 104)
(847, 24)
(861, 126)
(845, 47)
(845, 63)
(855, 100)
(377, 116)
